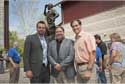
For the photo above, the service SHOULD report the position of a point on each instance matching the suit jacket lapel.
(62, 45)
(38, 40)
(55, 48)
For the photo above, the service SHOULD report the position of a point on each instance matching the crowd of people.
(63, 59)
(50, 57)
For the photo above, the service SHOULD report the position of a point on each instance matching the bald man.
(14, 58)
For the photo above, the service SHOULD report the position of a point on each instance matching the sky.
(19, 8)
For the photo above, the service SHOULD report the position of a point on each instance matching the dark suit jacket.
(33, 54)
(66, 56)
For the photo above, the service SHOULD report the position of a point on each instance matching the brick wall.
(103, 23)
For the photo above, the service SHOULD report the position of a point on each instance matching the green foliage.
(12, 38)
(1, 49)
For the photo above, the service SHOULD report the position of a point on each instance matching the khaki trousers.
(116, 72)
(80, 72)
(63, 79)
(14, 73)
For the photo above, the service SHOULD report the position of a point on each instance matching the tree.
(27, 13)
(12, 38)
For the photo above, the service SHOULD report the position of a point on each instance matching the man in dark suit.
(35, 55)
(61, 57)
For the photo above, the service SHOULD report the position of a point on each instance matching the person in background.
(14, 59)
(85, 48)
(115, 61)
(103, 49)
(101, 45)
(61, 57)
(98, 63)
(1, 63)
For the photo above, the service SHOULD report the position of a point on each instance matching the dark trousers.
(1, 67)
(44, 76)
(101, 76)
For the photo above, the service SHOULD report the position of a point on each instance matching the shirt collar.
(41, 37)
(14, 48)
(59, 41)
(79, 35)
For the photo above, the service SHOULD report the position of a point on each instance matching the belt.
(84, 63)
(117, 62)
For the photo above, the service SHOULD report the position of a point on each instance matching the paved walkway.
(4, 78)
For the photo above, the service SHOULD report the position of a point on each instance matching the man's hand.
(57, 67)
(12, 62)
(29, 74)
(14, 66)
(87, 74)
(108, 67)
(100, 68)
